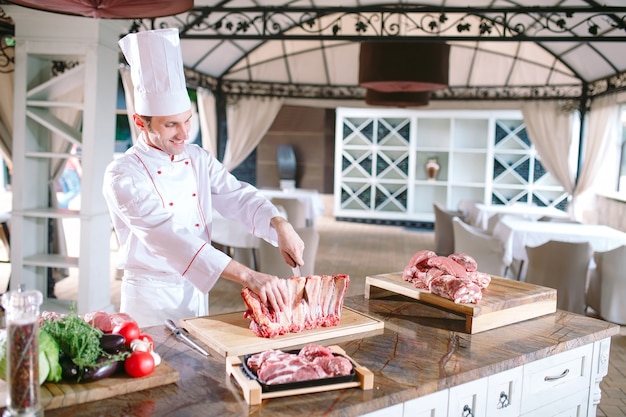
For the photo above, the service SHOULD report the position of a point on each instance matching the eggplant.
(112, 343)
(75, 373)
(69, 370)
(95, 374)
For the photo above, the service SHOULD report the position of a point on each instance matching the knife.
(296, 270)
(180, 334)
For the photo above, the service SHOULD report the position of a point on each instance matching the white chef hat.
(156, 68)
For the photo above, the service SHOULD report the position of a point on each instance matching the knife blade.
(296, 270)
(180, 334)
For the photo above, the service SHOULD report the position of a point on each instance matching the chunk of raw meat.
(311, 352)
(417, 264)
(479, 278)
(427, 271)
(459, 290)
(465, 261)
(314, 301)
(312, 362)
(447, 265)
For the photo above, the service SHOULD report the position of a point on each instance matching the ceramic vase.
(432, 168)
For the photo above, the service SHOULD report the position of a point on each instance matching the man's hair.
(147, 119)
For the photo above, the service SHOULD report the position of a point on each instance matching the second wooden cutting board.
(504, 301)
(229, 334)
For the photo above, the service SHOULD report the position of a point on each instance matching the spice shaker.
(22, 326)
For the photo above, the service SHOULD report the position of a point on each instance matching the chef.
(161, 194)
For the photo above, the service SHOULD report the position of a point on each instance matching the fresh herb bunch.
(76, 338)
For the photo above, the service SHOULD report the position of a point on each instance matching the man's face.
(168, 133)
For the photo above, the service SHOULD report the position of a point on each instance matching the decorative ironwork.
(7, 43)
(349, 92)
(59, 67)
(607, 85)
(411, 23)
(401, 23)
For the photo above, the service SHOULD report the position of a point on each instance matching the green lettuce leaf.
(49, 367)
(50, 348)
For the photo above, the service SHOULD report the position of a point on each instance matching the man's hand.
(290, 244)
(270, 289)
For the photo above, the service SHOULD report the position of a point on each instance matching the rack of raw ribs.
(455, 277)
(314, 301)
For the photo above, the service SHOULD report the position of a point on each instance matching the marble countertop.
(421, 350)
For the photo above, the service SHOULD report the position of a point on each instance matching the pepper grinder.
(22, 326)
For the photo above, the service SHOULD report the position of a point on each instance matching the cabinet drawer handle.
(467, 411)
(503, 402)
(555, 378)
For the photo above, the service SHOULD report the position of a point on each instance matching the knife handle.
(169, 323)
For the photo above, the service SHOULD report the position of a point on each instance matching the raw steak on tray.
(312, 362)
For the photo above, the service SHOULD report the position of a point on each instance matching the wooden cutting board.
(62, 394)
(504, 301)
(230, 334)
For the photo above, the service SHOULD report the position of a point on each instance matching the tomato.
(146, 338)
(139, 364)
(130, 331)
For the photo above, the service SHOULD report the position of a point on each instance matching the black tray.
(299, 384)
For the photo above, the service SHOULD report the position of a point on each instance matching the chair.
(444, 235)
(467, 207)
(272, 262)
(562, 266)
(296, 211)
(606, 292)
(493, 221)
(487, 250)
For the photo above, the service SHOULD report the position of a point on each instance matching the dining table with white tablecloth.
(310, 198)
(517, 233)
(481, 213)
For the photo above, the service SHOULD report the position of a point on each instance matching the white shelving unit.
(381, 155)
(43, 140)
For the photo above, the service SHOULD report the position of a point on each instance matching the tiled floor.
(361, 249)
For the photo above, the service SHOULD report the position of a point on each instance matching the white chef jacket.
(161, 209)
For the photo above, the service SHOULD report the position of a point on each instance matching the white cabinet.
(431, 405)
(482, 155)
(549, 380)
(52, 114)
(566, 384)
(504, 394)
(469, 399)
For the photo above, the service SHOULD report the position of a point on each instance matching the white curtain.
(601, 157)
(208, 120)
(248, 120)
(127, 82)
(549, 126)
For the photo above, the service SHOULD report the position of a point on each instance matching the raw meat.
(479, 278)
(312, 362)
(447, 265)
(458, 290)
(99, 320)
(455, 277)
(465, 261)
(417, 264)
(314, 301)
